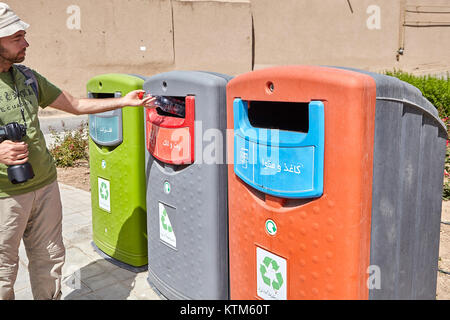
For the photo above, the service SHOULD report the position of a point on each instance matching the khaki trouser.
(37, 218)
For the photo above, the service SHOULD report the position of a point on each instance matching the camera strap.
(22, 111)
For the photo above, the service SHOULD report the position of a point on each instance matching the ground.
(78, 177)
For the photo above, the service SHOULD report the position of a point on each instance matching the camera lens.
(20, 173)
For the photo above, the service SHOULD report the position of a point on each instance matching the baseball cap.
(10, 23)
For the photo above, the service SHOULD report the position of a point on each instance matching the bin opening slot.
(289, 116)
(105, 128)
(102, 95)
(171, 106)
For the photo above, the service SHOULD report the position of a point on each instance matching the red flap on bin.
(171, 139)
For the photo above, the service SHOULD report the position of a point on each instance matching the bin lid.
(392, 89)
(113, 82)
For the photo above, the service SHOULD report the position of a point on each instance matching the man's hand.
(137, 98)
(13, 153)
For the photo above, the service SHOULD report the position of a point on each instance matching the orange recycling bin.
(298, 245)
(334, 185)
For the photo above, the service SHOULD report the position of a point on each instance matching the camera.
(15, 132)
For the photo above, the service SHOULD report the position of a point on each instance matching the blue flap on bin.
(106, 128)
(282, 163)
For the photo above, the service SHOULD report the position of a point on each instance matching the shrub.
(70, 145)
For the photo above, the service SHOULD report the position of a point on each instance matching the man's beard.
(7, 57)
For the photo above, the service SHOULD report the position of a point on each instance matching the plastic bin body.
(117, 173)
(187, 192)
(329, 245)
(409, 155)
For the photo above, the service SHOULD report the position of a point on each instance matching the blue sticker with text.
(282, 163)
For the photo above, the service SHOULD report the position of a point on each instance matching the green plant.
(70, 145)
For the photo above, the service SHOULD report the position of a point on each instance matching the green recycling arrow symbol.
(271, 227)
(104, 191)
(163, 219)
(278, 282)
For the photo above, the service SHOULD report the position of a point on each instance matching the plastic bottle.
(171, 105)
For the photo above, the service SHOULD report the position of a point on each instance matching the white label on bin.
(104, 194)
(166, 232)
(271, 275)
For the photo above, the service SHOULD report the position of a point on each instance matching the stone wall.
(73, 40)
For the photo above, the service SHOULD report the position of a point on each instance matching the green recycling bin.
(117, 173)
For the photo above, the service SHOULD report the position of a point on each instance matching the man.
(32, 210)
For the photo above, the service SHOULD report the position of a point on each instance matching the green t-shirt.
(39, 156)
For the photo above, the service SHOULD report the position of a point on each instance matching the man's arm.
(66, 102)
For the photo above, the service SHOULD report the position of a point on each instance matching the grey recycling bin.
(409, 154)
(187, 186)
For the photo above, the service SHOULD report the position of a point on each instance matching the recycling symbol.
(104, 191)
(163, 219)
(264, 268)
